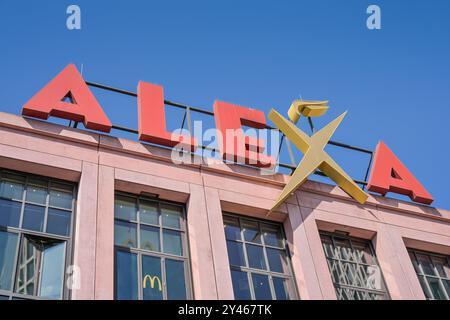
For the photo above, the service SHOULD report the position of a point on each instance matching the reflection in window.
(41, 268)
(36, 226)
(433, 271)
(353, 267)
(151, 257)
(8, 247)
(258, 256)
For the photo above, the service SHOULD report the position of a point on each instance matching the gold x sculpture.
(312, 147)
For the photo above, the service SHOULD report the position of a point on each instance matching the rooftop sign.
(67, 96)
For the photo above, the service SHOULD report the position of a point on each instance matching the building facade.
(90, 216)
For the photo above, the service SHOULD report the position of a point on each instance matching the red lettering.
(235, 146)
(83, 107)
(152, 118)
(388, 174)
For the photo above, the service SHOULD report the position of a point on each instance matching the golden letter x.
(314, 157)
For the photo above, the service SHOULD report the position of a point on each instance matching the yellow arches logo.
(152, 282)
(312, 147)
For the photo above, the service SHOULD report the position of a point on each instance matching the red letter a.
(82, 108)
(390, 175)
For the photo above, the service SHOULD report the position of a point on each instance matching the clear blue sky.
(262, 54)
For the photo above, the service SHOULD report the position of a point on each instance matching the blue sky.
(262, 54)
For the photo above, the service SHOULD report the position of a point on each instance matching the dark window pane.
(235, 253)
(148, 212)
(255, 256)
(426, 291)
(61, 199)
(441, 266)
(11, 190)
(232, 229)
(151, 278)
(447, 286)
(261, 287)
(436, 288)
(426, 265)
(176, 284)
(4, 298)
(251, 231)
(172, 242)
(36, 194)
(415, 263)
(58, 222)
(33, 217)
(126, 276)
(125, 208)
(171, 216)
(52, 271)
(281, 288)
(9, 213)
(8, 245)
(150, 238)
(125, 234)
(241, 287)
(277, 260)
(272, 236)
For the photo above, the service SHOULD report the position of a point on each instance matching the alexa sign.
(388, 174)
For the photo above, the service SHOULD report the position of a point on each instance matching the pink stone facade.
(101, 165)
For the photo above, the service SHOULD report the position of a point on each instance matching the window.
(354, 268)
(433, 271)
(259, 260)
(151, 255)
(35, 233)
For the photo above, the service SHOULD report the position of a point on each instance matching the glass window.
(43, 206)
(125, 234)
(10, 213)
(150, 238)
(8, 248)
(261, 286)
(36, 194)
(126, 276)
(172, 242)
(159, 249)
(61, 199)
(149, 212)
(353, 267)
(58, 222)
(11, 190)
(255, 256)
(176, 283)
(236, 253)
(241, 287)
(151, 278)
(433, 271)
(280, 286)
(259, 263)
(52, 270)
(171, 216)
(125, 208)
(41, 268)
(251, 231)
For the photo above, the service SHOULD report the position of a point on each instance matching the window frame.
(430, 256)
(22, 233)
(269, 273)
(350, 239)
(185, 258)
